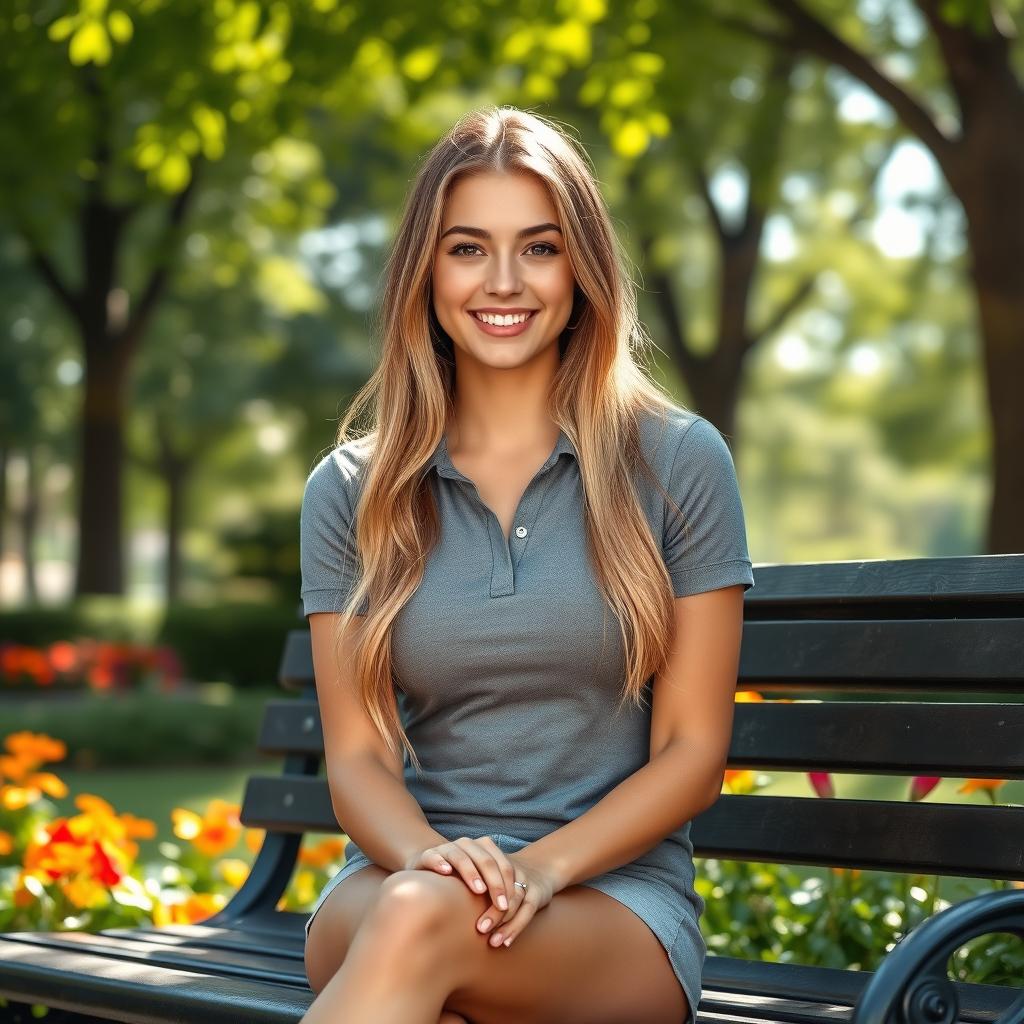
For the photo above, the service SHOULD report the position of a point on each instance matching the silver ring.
(522, 885)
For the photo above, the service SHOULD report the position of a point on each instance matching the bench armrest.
(912, 984)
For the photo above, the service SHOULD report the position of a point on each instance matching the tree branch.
(157, 283)
(804, 288)
(48, 272)
(809, 34)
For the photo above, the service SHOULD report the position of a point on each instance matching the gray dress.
(508, 664)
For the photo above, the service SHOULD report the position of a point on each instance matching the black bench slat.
(282, 970)
(139, 993)
(881, 738)
(934, 838)
(957, 579)
(965, 740)
(918, 654)
(288, 803)
(291, 726)
(284, 936)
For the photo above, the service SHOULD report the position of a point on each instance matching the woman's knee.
(413, 902)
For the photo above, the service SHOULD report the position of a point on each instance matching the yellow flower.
(739, 781)
(85, 893)
(234, 871)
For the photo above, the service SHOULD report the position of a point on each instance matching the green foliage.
(215, 725)
(236, 642)
(844, 918)
(111, 619)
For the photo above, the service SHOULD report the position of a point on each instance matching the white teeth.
(501, 321)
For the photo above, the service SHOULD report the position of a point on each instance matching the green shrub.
(240, 643)
(212, 725)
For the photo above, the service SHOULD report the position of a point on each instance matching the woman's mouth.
(503, 331)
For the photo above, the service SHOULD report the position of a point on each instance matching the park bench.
(882, 628)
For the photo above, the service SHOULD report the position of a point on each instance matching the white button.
(520, 531)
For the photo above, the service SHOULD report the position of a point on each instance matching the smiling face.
(501, 249)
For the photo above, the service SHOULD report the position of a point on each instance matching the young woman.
(524, 586)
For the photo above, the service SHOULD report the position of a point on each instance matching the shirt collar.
(441, 460)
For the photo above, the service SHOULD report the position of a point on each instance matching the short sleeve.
(707, 548)
(328, 555)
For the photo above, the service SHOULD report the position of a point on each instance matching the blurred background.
(821, 201)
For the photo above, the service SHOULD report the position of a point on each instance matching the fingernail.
(496, 939)
(508, 941)
(485, 924)
(502, 902)
(479, 885)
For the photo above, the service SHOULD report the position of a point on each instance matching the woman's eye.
(548, 248)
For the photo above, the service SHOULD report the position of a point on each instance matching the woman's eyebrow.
(461, 229)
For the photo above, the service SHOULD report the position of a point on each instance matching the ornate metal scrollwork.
(912, 986)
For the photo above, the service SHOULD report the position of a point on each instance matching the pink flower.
(922, 785)
(822, 783)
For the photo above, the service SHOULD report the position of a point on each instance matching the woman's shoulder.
(338, 474)
(674, 435)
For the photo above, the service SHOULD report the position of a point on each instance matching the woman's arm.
(692, 716)
(368, 791)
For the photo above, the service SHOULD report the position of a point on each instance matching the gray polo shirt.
(508, 663)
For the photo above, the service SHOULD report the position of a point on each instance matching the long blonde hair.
(598, 396)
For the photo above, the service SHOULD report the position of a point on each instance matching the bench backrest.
(875, 643)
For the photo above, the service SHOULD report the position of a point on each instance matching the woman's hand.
(481, 864)
(541, 886)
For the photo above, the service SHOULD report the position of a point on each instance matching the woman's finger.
(493, 866)
(506, 933)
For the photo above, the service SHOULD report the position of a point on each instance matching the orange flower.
(192, 910)
(852, 872)
(327, 851)
(748, 697)
(87, 853)
(254, 838)
(6, 843)
(214, 833)
(974, 784)
(738, 781)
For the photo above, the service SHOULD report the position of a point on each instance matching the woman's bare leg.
(418, 954)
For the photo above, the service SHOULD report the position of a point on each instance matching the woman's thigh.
(585, 958)
(337, 921)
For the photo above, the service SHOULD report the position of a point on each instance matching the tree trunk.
(100, 555)
(994, 204)
(175, 476)
(29, 519)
